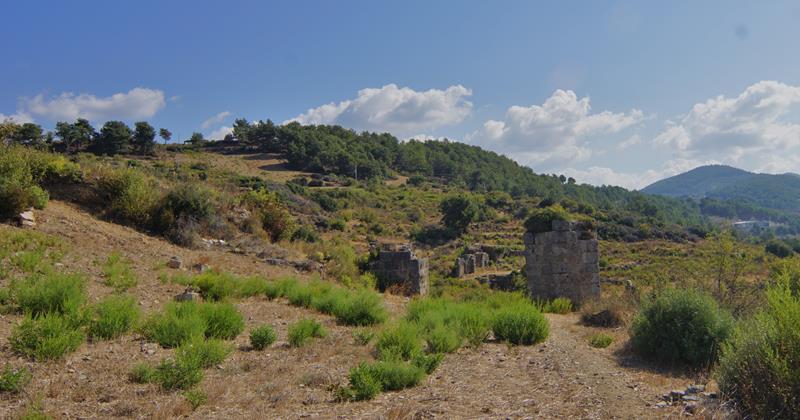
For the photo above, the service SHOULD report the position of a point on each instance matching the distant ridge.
(729, 183)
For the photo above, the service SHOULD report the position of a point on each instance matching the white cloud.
(220, 133)
(553, 133)
(733, 128)
(599, 175)
(401, 111)
(136, 103)
(629, 142)
(216, 119)
(19, 118)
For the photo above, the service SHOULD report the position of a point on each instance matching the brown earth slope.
(562, 378)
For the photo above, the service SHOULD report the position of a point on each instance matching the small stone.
(690, 398)
(694, 389)
(175, 263)
(676, 394)
(188, 296)
(27, 218)
(691, 408)
(662, 404)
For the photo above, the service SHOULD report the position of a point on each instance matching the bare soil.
(561, 378)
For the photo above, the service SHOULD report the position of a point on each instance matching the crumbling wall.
(398, 269)
(470, 262)
(562, 263)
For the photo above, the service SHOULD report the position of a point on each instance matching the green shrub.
(363, 336)
(778, 248)
(14, 380)
(303, 295)
(23, 172)
(520, 324)
(47, 337)
(177, 374)
(251, 286)
(363, 307)
(50, 293)
(114, 316)
(31, 261)
(400, 340)
(600, 340)
(262, 337)
(427, 362)
(541, 219)
(131, 195)
(305, 329)
(759, 367)
(306, 234)
(202, 353)
(222, 320)
(195, 397)
(118, 274)
(363, 384)
(177, 323)
(216, 286)
(181, 208)
(559, 305)
(142, 373)
(442, 339)
(395, 375)
(368, 380)
(275, 219)
(279, 288)
(680, 326)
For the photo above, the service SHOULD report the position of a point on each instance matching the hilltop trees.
(28, 134)
(165, 134)
(76, 136)
(144, 138)
(115, 138)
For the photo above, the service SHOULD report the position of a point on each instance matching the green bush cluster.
(305, 329)
(273, 216)
(759, 367)
(24, 172)
(132, 196)
(181, 322)
(14, 380)
(559, 305)
(680, 326)
(46, 337)
(114, 316)
(369, 380)
(50, 293)
(541, 219)
(600, 340)
(185, 369)
(520, 324)
(361, 307)
(262, 337)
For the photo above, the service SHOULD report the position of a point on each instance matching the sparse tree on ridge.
(114, 138)
(75, 136)
(165, 134)
(144, 136)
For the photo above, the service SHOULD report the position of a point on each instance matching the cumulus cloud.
(731, 128)
(552, 133)
(629, 142)
(19, 118)
(216, 119)
(220, 133)
(401, 111)
(136, 103)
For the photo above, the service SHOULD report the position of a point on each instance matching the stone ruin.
(562, 263)
(398, 269)
(479, 256)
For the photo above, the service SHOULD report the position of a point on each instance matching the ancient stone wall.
(398, 269)
(562, 263)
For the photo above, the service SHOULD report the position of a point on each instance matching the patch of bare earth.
(562, 378)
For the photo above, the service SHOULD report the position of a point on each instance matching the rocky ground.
(562, 378)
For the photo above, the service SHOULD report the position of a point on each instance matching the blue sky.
(607, 91)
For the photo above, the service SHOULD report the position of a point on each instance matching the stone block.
(561, 226)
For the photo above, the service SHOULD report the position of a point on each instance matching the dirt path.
(562, 378)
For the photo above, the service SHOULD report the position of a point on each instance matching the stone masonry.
(470, 262)
(398, 269)
(562, 263)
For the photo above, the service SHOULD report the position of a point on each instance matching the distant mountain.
(781, 192)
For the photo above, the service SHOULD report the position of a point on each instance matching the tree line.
(114, 137)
